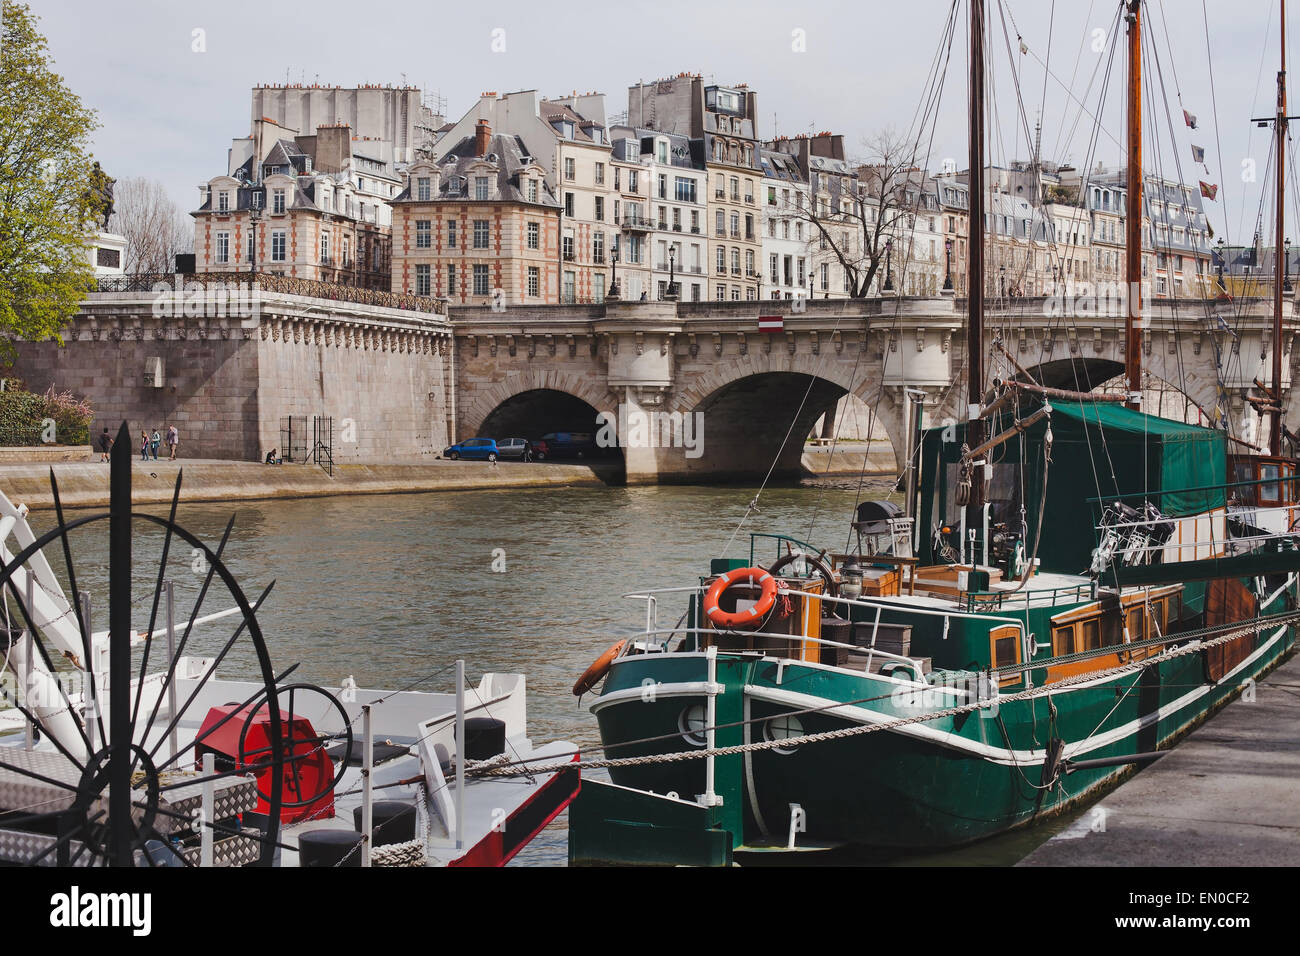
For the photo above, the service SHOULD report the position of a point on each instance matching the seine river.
(393, 588)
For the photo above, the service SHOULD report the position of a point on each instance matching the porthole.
(783, 727)
(692, 723)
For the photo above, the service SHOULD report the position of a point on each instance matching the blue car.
(473, 449)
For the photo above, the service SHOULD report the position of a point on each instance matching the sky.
(170, 79)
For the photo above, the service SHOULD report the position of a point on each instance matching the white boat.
(216, 775)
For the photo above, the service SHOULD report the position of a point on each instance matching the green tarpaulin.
(1099, 450)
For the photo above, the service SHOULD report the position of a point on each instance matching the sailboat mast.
(1279, 262)
(975, 261)
(1133, 221)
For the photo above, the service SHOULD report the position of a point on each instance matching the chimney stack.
(482, 133)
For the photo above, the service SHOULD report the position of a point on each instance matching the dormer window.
(531, 190)
(423, 189)
(223, 201)
(480, 187)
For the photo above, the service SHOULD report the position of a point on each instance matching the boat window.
(1091, 634)
(1134, 623)
(692, 722)
(1004, 648)
(783, 728)
(1157, 618)
(1269, 472)
(1063, 640)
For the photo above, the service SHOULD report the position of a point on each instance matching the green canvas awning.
(1100, 452)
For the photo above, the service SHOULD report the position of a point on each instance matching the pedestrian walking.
(144, 446)
(154, 441)
(105, 443)
(173, 439)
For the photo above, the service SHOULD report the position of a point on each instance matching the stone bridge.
(756, 395)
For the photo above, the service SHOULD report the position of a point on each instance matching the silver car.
(518, 449)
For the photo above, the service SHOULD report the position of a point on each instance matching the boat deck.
(1225, 796)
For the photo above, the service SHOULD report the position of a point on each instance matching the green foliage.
(45, 171)
(20, 418)
(72, 417)
(25, 417)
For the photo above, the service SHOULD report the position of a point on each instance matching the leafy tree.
(45, 194)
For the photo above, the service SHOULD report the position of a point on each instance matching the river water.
(394, 588)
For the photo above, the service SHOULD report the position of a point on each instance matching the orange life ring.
(766, 600)
(592, 675)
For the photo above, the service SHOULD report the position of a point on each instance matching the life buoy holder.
(599, 667)
(766, 599)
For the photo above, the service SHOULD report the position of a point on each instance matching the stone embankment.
(85, 484)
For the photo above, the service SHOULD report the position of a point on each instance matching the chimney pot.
(482, 133)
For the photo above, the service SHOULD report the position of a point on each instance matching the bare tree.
(853, 218)
(154, 226)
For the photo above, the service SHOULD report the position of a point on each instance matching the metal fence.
(266, 282)
(293, 438)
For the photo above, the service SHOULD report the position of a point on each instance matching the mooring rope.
(486, 770)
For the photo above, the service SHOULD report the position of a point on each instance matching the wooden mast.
(975, 261)
(1279, 261)
(1133, 222)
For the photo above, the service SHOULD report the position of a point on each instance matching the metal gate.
(322, 442)
(293, 438)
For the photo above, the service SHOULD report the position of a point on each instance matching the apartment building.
(725, 120)
(480, 227)
(313, 206)
(671, 167)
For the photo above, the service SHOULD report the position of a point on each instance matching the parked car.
(566, 445)
(517, 448)
(473, 449)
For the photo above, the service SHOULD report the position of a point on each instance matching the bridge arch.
(752, 403)
(528, 395)
(1086, 374)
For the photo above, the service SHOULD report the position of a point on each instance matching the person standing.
(144, 446)
(154, 441)
(173, 439)
(105, 443)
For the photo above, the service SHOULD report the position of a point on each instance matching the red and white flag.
(1207, 190)
(1189, 119)
(771, 323)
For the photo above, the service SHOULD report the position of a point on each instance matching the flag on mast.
(1209, 191)
(1198, 154)
(1189, 119)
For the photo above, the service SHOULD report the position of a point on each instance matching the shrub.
(72, 417)
(23, 415)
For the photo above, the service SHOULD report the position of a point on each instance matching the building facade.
(311, 208)
(482, 227)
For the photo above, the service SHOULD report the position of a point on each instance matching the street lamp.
(947, 257)
(613, 275)
(254, 217)
(889, 265)
(672, 273)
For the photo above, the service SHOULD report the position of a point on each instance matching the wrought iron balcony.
(637, 223)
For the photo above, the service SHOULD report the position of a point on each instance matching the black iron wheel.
(100, 783)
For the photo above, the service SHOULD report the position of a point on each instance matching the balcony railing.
(695, 230)
(637, 222)
(663, 225)
(719, 194)
(750, 199)
(274, 282)
(569, 257)
(677, 227)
